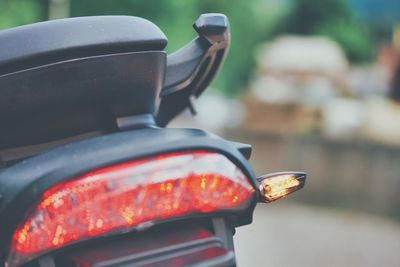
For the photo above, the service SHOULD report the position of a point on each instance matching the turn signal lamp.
(277, 185)
(130, 195)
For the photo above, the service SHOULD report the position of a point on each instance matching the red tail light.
(129, 195)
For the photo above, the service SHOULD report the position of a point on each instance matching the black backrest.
(72, 76)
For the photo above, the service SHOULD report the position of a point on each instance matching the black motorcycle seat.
(72, 76)
(58, 40)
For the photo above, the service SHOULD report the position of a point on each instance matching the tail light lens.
(132, 194)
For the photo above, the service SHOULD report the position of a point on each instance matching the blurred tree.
(58, 9)
(19, 12)
(332, 18)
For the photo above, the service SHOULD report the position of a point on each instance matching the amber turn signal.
(277, 185)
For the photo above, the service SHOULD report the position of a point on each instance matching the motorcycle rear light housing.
(128, 196)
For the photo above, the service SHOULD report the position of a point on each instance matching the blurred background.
(314, 86)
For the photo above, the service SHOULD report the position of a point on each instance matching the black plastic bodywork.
(191, 69)
(22, 184)
(171, 245)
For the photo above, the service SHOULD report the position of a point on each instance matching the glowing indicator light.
(277, 185)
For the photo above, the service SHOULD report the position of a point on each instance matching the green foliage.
(332, 18)
(306, 15)
(19, 12)
(352, 36)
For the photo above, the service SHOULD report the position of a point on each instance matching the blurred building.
(305, 84)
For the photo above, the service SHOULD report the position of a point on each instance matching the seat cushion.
(58, 40)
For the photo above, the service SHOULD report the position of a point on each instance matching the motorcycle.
(90, 176)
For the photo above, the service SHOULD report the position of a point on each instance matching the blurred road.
(283, 234)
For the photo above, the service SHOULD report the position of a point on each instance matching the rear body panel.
(79, 96)
(187, 244)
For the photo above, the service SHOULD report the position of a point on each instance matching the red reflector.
(130, 194)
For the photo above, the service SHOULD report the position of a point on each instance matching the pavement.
(286, 234)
